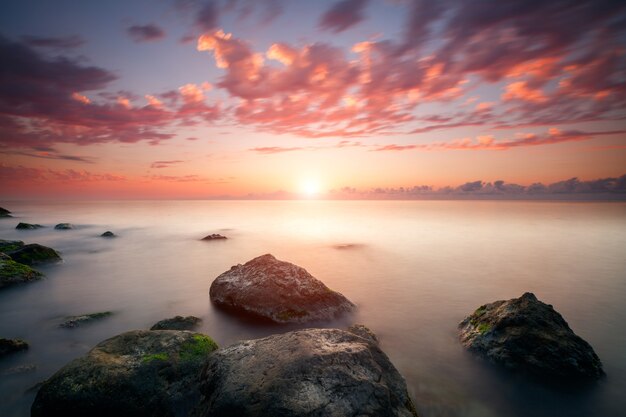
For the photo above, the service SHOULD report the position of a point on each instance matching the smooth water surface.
(414, 268)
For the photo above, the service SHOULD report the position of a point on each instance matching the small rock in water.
(34, 254)
(276, 290)
(75, 321)
(527, 335)
(12, 272)
(214, 236)
(4, 212)
(28, 226)
(177, 323)
(20, 369)
(64, 226)
(108, 234)
(11, 345)
(9, 245)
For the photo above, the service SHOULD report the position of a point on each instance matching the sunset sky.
(203, 99)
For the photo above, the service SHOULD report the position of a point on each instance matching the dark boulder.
(9, 245)
(214, 236)
(12, 272)
(75, 321)
(276, 290)
(64, 226)
(138, 373)
(313, 372)
(8, 346)
(529, 336)
(28, 226)
(108, 234)
(4, 212)
(177, 323)
(34, 254)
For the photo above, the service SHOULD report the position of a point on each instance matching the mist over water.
(414, 268)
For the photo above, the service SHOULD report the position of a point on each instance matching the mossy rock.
(10, 245)
(177, 323)
(138, 373)
(64, 226)
(34, 254)
(12, 273)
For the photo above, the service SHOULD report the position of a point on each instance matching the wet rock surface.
(529, 336)
(10, 245)
(75, 321)
(64, 226)
(33, 254)
(108, 233)
(177, 323)
(138, 373)
(276, 290)
(4, 212)
(313, 372)
(12, 272)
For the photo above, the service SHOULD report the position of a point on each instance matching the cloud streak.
(145, 33)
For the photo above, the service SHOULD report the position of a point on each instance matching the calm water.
(414, 269)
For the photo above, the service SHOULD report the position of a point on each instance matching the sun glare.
(309, 187)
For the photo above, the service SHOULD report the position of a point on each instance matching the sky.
(290, 98)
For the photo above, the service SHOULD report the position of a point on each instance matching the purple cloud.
(343, 14)
(146, 33)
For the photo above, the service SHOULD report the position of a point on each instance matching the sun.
(309, 187)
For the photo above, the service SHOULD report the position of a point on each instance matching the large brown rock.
(276, 290)
(529, 336)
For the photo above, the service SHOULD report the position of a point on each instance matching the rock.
(529, 336)
(64, 226)
(34, 254)
(276, 290)
(314, 372)
(364, 332)
(108, 234)
(75, 321)
(138, 373)
(4, 212)
(214, 236)
(5, 257)
(12, 272)
(177, 323)
(11, 345)
(28, 226)
(20, 369)
(9, 245)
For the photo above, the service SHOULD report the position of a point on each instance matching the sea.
(414, 269)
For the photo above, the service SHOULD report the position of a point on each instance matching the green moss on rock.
(12, 272)
(197, 348)
(155, 357)
(10, 245)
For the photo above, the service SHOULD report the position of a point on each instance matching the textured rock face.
(314, 372)
(276, 290)
(12, 272)
(138, 373)
(9, 245)
(177, 323)
(34, 254)
(527, 335)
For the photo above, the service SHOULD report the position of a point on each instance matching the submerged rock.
(108, 234)
(9, 245)
(138, 373)
(313, 372)
(177, 323)
(276, 290)
(34, 254)
(28, 226)
(12, 272)
(20, 369)
(4, 212)
(64, 226)
(527, 335)
(11, 346)
(75, 321)
(214, 236)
